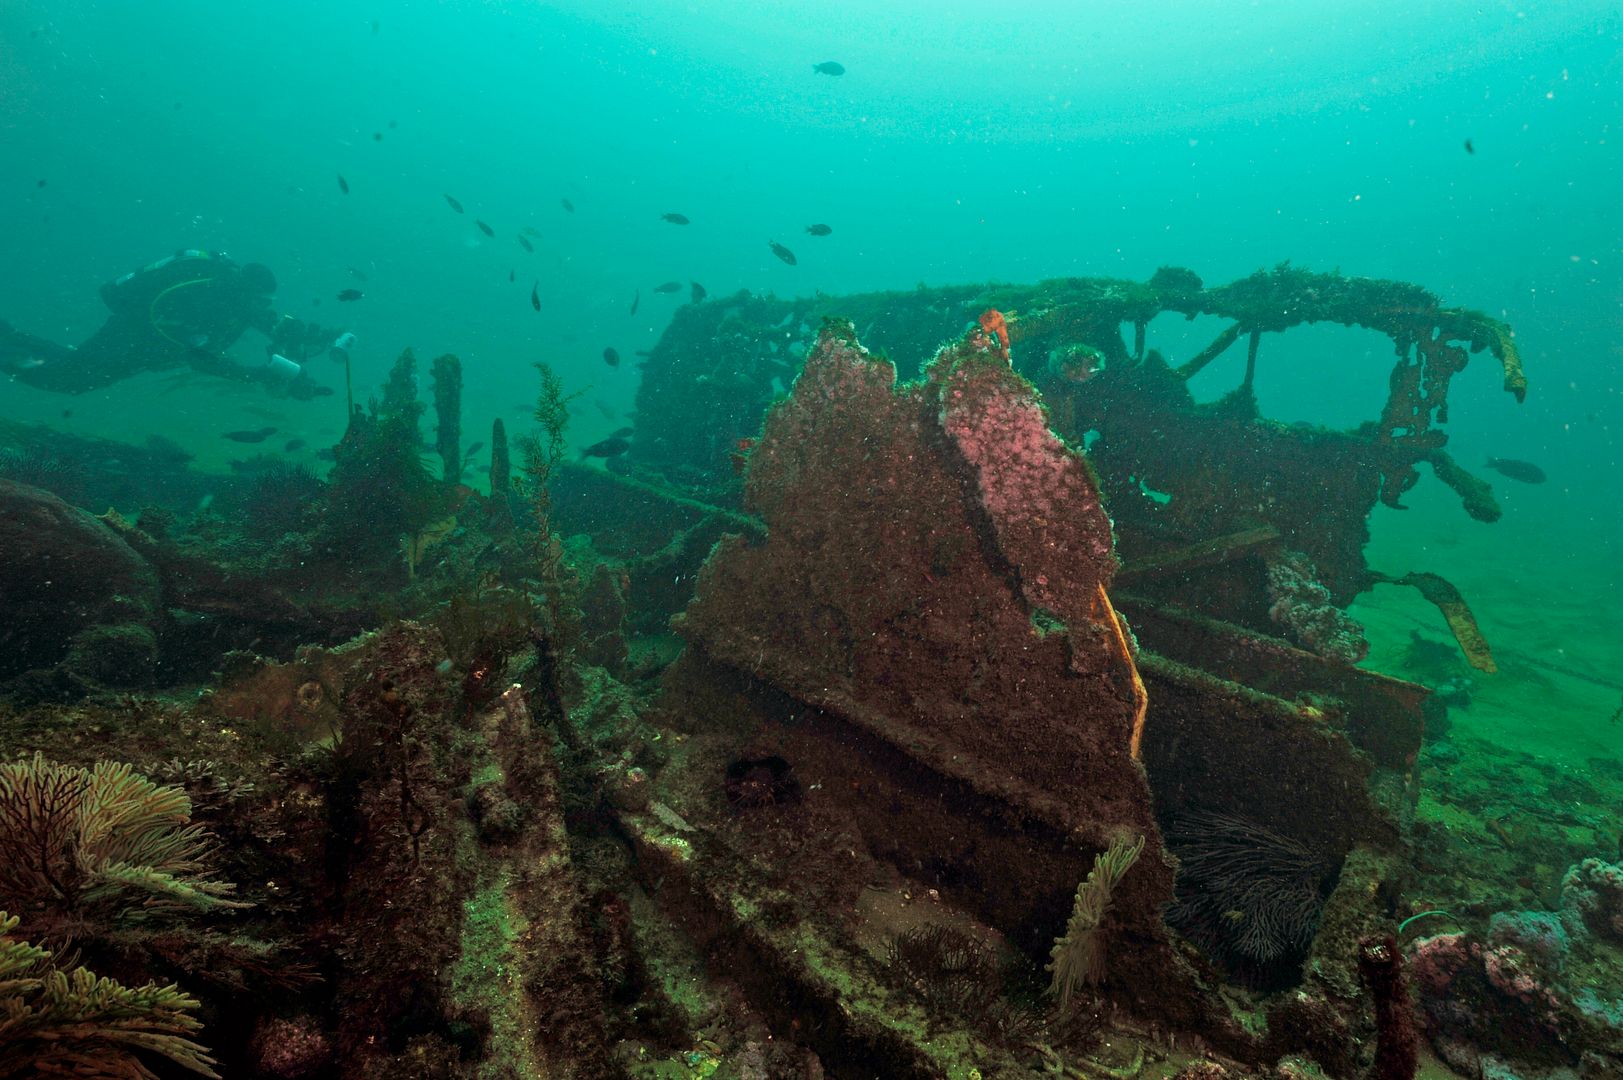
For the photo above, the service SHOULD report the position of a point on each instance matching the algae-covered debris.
(1455, 611)
(1176, 473)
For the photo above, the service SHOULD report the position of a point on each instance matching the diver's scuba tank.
(282, 368)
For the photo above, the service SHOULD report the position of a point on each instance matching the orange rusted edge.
(1141, 697)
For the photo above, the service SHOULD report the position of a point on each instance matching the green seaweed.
(379, 489)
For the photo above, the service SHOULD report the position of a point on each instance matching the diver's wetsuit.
(182, 311)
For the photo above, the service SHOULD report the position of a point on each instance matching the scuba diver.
(182, 311)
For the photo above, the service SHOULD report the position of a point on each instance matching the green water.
(514, 183)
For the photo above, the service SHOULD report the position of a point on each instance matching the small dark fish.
(1525, 471)
(525, 244)
(819, 230)
(349, 294)
(1469, 149)
(611, 356)
(697, 291)
(358, 275)
(454, 204)
(567, 205)
(668, 287)
(343, 185)
(635, 301)
(256, 435)
(292, 445)
(67, 414)
(674, 219)
(472, 450)
(510, 276)
(829, 67)
(40, 184)
(486, 229)
(535, 296)
(613, 446)
(782, 252)
(623, 433)
(377, 136)
(327, 453)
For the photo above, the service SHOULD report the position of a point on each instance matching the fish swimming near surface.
(782, 252)
(255, 436)
(611, 356)
(674, 219)
(568, 206)
(829, 67)
(697, 291)
(1525, 471)
(1469, 149)
(819, 230)
(343, 185)
(525, 244)
(535, 296)
(511, 275)
(613, 446)
(454, 204)
(635, 301)
(486, 229)
(350, 295)
(668, 287)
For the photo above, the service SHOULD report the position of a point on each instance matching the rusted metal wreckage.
(905, 673)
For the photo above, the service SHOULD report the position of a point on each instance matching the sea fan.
(1249, 896)
(72, 1023)
(83, 851)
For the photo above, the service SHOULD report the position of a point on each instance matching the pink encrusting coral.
(1037, 493)
(1303, 605)
(1511, 972)
(1592, 899)
(1436, 961)
(1532, 989)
